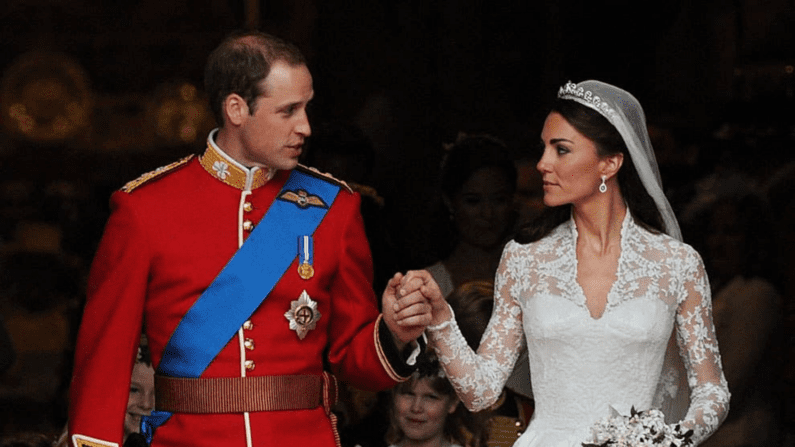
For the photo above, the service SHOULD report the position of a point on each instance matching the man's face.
(274, 135)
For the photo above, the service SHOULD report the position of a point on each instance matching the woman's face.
(570, 165)
(142, 397)
(421, 411)
(482, 208)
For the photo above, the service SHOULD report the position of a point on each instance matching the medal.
(305, 255)
(305, 270)
(303, 315)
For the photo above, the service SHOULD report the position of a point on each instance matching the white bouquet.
(639, 429)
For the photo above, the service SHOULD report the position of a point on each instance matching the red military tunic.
(169, 235)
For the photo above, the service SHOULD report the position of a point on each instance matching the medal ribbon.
(305, 254)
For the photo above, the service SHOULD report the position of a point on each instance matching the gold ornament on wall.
(45, 98)
(179, 113)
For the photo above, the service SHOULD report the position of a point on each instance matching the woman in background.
(477, 181)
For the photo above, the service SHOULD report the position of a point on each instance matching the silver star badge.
(303, 315)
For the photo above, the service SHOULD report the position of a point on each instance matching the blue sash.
(249, 277)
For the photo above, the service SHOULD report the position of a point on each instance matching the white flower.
(221, 169)
(639, 429)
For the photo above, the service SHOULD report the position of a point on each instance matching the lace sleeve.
(698, 347)
(479, 377)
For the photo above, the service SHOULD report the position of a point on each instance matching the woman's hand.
(422, 281)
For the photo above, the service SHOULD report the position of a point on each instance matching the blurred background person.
(734, 231)
(39, 288)
(478, 184)
(26, 440)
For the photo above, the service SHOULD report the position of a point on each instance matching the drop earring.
(603, 186)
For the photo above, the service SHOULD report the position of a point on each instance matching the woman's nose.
(542, 166)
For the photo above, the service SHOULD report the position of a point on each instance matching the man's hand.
(406, 310)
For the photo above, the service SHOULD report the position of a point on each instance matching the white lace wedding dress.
(581, 365)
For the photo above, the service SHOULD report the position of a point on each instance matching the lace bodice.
(580, 365)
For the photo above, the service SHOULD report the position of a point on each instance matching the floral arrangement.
(639, 429)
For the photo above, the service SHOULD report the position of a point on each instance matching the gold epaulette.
(323, 175)
(151, 175)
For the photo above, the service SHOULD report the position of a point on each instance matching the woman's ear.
(454, 403)
(610, 165)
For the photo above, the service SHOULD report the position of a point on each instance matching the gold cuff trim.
(86, 441)
(382, 356)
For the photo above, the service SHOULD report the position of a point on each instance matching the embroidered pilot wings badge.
(303, 199)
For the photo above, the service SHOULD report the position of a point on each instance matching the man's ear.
(610, 165)
(235, 109)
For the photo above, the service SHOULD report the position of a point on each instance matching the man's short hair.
(240, 63)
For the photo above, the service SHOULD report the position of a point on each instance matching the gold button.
(248, 325)
(248, 225)
(249, 344)
(247, 207)
(250, 365)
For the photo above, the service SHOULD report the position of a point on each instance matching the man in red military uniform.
(249, 273)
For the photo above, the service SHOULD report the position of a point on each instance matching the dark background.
(412, 74)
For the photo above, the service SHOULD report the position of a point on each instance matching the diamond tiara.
(571, 91)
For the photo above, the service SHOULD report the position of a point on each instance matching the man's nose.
(303, 127)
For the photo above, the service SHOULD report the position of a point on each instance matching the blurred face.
(570, 165)
(482, 209)
(274, 135)
(421, 411)
(142, 397)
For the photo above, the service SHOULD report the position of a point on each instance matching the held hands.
(422, 281)
(405, 313)
(411, 302)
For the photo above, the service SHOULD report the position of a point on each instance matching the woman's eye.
(562, 150)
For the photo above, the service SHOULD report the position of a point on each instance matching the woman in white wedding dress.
(597, 291)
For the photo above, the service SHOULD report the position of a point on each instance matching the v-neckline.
(580, 289)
